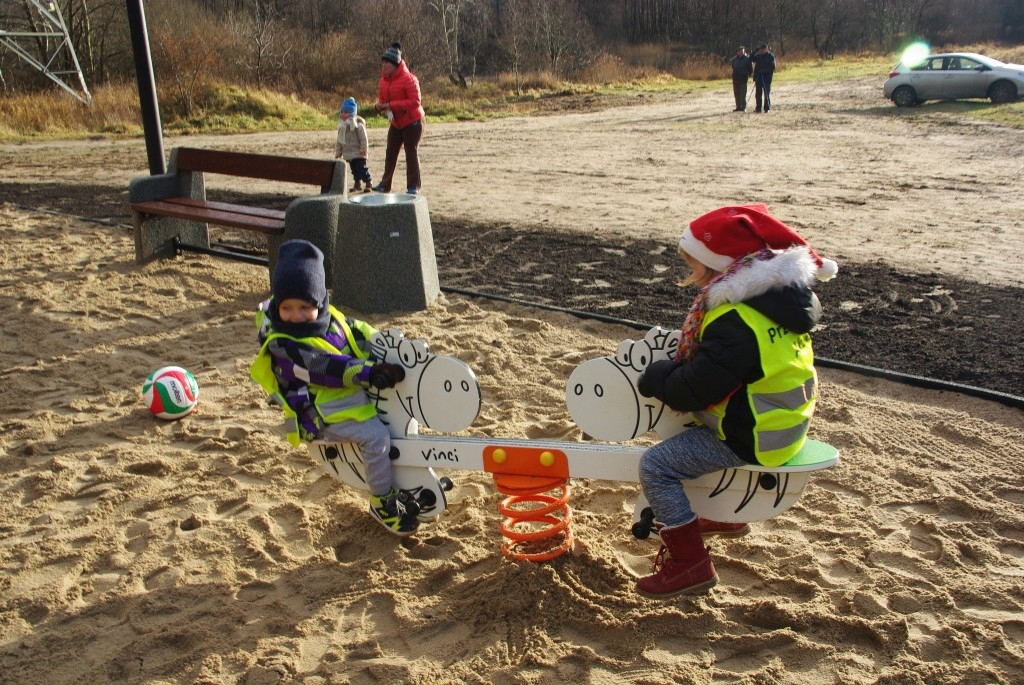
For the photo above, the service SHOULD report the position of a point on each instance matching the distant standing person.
(764, 68)
(352, 143)
(742, 67)
(398, 97)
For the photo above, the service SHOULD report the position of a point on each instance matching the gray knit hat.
(393, 54)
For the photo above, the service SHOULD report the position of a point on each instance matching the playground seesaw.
(442, 393)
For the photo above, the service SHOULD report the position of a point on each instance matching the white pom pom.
(827, 271)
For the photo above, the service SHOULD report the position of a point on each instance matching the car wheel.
(1002, 91)
(904, 96)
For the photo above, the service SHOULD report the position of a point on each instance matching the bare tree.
(264, 58)
(824, 18)
(515, 37)
(381, 23)
(561, 35)
(449, 14)
(184, 58)
(649, 21)
(477, 28)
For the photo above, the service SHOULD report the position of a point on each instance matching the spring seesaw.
(442, 393)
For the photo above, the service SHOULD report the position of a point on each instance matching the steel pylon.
(54, 32)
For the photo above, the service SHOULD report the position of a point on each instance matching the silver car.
(955, 75)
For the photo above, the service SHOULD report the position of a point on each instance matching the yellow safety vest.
(783, 400)
(350, 403)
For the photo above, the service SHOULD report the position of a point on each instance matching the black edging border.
(907, 379)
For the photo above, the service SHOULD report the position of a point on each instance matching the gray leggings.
(686, 456)
(374, 443)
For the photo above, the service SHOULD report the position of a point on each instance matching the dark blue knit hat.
(393, 54)
(350, 106)
(299, 273)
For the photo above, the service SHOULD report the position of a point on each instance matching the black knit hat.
(393, 54)
(299, 273)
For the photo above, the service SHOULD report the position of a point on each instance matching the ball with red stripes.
(170, 392)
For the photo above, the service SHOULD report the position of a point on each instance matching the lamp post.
(147, 87)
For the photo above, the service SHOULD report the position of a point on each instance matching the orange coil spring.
(525, 526)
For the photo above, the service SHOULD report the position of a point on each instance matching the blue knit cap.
(350, 106)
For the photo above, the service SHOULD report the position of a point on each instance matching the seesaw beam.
(582, 460)
(600, 462)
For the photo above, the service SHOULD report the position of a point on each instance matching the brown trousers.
(409, 138)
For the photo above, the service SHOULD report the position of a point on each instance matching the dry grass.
(55, 114)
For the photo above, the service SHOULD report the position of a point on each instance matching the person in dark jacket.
(764, 68)
(742, 68)
(398, 97)
(744, 368)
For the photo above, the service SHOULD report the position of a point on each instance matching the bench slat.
(317, 172)
(226, 207)
(233, 219)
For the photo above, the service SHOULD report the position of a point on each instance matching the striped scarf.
(690, 333)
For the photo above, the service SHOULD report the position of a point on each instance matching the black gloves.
(652, 380)
(384, 375)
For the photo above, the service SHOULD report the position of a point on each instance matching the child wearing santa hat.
(744, 368)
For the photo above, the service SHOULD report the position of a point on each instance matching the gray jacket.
(352, 142)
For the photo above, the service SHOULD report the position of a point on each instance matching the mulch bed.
(875, 315)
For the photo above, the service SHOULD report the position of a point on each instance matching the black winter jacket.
(764, 63)
(727, 357)
(742, 67)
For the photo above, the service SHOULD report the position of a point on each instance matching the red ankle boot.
(728, 530)
(682, 564)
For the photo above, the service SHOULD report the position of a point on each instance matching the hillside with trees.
(317, 49)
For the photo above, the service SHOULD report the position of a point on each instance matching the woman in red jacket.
(399, 97)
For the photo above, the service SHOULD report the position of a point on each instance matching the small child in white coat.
(352, 144)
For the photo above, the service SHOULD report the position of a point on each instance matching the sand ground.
(208, 551)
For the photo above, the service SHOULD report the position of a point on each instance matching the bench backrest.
(318, 172)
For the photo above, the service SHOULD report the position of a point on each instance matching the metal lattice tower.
(53, 31)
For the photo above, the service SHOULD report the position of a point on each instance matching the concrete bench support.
(173, 207)
(384, 257)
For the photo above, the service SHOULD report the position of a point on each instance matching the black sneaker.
(396, 511)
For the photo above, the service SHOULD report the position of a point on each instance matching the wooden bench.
(170, 211)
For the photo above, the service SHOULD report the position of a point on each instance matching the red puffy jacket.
(401, 91)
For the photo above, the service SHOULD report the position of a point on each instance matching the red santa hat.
(720, 237)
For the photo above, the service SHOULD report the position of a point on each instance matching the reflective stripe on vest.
(332, 404)
(783, 401)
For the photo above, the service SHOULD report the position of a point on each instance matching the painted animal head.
(439, 392)
(602, 397)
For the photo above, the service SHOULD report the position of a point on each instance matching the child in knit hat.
(314, 362)
(744, 368)
(352, 144)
